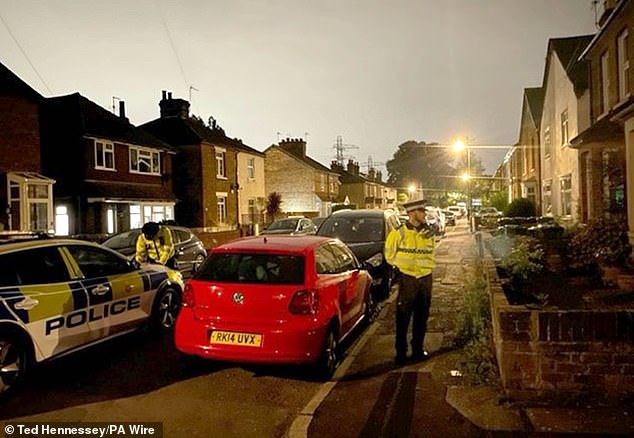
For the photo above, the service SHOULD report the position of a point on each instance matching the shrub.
(602, 242)
(520, 207)
(474, 333)
(524, 260)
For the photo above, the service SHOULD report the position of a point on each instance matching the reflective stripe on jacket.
(159, 249)
(411, 251)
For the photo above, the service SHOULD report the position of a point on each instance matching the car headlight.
(376, 260)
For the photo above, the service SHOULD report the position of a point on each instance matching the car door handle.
(129, 288)
(26, 304)
(100, 290)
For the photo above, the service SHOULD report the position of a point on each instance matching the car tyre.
(197, 262)
(165, 310)
(14, 362)
(329, 358)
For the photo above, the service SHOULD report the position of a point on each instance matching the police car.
(57, 296)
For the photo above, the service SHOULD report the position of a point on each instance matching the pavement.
(372, 397)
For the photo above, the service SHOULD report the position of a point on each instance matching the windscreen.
(354, 229)
(253, 268)
(283, 224)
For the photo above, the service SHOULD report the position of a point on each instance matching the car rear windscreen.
(353, 229)
(253, 268)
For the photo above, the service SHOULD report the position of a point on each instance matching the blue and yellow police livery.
(57, 296)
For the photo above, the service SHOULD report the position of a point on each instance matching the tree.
(431, 166)
(273, 205)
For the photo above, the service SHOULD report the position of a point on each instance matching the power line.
(169, 37)
(25, 55)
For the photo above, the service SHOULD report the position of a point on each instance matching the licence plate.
(236, 338)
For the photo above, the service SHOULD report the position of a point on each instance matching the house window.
(104, 155)
(547, 196)
(547, 145)
(145, 161)
(565, 189)
(221, 168)
(251, 168)
(62, 221)
(322, 183)
(565, 139)
(623, 60)
(135, 216)
(604, 81)
(222, 208)
(142, 213)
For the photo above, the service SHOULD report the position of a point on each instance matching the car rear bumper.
(294, 342)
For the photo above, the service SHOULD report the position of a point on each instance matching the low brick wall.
(211, 240)
(545, 351)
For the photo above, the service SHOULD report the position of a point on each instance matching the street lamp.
(459, 145)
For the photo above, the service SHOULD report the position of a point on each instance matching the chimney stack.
(122, 109)
(296, 146)
(173, 107)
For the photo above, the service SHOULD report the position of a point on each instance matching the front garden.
(562, 307)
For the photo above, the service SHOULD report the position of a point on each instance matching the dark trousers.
(414, 299)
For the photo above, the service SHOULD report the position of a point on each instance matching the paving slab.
(604, 421)
(479, 404)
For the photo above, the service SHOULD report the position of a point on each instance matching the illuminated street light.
(459, 145)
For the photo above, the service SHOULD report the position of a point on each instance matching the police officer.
(410, 248)
(155, 245)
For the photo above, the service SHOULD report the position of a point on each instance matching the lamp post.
(458, 146)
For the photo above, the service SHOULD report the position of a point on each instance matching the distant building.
(307, 187)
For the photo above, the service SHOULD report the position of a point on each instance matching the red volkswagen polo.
(274, 299)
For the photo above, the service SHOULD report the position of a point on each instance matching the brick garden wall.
(542, 351)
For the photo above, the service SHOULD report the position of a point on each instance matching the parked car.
(189, 250)
(459, 211)
(292, 225)
(364, 231)
(57, 296)
(274, 299)
(436, 216)
(487, 217)
(450, 217)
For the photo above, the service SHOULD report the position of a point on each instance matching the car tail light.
(188, 296)
(304, 302)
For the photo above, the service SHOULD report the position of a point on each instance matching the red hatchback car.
(274, 299)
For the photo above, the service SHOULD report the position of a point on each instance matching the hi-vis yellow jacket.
(160, 249)
(411, 251)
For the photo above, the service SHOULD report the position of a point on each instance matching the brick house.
(564, 112)
(111, 176)
(363, 191)
(606, 147)
(216, 178)
(26, 195)
(306, 187)
(526, 160)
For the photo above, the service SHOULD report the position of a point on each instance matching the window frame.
(604, 83)
(251, 168)
(565, 195)
(107, 149)
(154, 163)
(623, 64)
(565, 134)
(221, 207)
(221, 163)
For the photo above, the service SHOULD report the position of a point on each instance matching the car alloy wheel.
(13, 363)
(329, 358)
(166, 309)
(198, 261)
